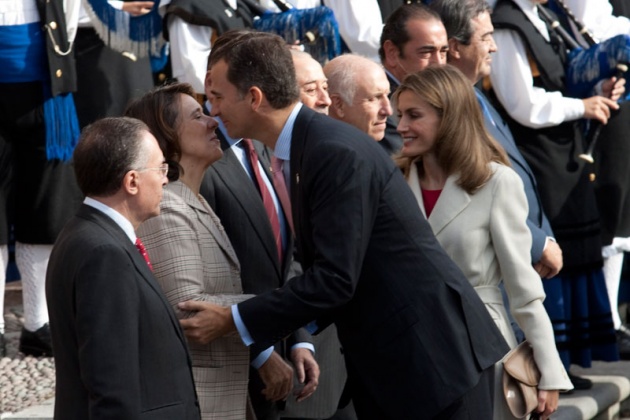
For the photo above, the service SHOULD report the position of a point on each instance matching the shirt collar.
(531, 11)
(283, 145)
(118, 218)
(389, 73)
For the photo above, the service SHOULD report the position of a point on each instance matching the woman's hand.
(547, 403)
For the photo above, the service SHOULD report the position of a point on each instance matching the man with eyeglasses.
(413, 38)
(119, 350)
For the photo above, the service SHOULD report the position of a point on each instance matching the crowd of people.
(273, 234)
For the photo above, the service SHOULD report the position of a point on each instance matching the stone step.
(607, 400)
(42, 411)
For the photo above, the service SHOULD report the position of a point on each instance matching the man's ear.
(337, 105)
(131, 182)
(257, 97)
(391, 53)
(454, 49)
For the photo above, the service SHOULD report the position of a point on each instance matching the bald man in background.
(311, 81)
(359, 90)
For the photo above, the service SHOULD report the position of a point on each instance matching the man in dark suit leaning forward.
(418, 341)
(119, 349)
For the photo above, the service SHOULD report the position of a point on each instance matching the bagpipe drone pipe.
(608, 146)
(315, 28)
(599, 61)
(588, 66)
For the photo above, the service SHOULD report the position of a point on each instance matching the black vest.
(216, 14)
(566, 192)
(621, 7)
(62, 70)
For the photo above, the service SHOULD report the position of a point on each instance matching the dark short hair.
(258, 59)
(395, 29)
(107, 150)
(457, 16)
(159, 109)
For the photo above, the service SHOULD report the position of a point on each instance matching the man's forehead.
(425, 28)
(217, 79)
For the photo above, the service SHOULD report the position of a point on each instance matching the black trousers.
(476, 404)
(612, 181)
(37, 196)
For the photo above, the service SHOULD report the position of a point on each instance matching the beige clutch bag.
(520, 380)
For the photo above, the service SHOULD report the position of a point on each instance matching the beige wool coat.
(487, 236)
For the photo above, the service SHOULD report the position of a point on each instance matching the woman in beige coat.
(477, 209)
(191, 255)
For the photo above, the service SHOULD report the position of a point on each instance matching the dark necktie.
(143, 252)
(270, 208)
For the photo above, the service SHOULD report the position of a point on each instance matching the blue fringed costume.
(38, 125)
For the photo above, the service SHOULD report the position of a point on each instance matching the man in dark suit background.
(413, 38)
(119, 350)
(236, 200)
(418, 341)
(469, 30)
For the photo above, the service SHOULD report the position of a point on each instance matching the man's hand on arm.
(307, 372)
(550, 263)
(277, 376)
(208, 321)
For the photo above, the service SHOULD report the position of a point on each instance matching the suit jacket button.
(58, 73)
(591, 177)
(53, 25)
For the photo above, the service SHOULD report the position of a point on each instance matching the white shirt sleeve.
(597, 16)
(360, 25)
(190, 48)
(513, 84)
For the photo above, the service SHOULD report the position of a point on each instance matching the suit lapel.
(211, 222)
(298, 139)
(453, 200)
(119, 236)
(230, 170)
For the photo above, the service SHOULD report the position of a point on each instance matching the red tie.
(270, 208)
(143, 252)
(281, 188)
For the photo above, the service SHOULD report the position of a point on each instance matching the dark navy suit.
(536, 219)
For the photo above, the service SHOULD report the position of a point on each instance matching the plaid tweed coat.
(193, 259)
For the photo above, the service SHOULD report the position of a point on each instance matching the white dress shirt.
(513, 83)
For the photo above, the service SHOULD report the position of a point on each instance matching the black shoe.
(580, 383)
(3, 346)
(623, 342)
(36, 343)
